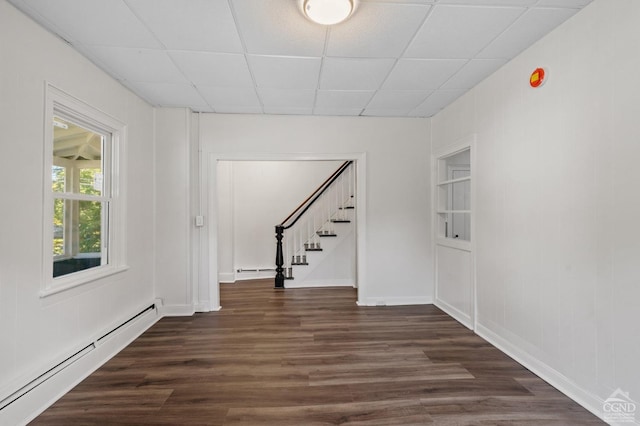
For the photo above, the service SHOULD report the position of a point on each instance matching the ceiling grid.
(406, 58)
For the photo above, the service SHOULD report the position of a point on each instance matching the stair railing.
(299, 231)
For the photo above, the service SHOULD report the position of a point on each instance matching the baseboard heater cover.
(255, 270)
(37, 381)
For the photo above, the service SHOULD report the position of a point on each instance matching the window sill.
(454, 243)
(79, 278)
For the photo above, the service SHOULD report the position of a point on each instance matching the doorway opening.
(244, 194)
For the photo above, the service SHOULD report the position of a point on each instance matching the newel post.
(279, 258)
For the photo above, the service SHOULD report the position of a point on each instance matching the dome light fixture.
(328, 12)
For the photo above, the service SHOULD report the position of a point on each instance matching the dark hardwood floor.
(312, 357)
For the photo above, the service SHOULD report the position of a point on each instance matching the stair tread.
(299, 264)
(347, 208)
(340, 221)
(313, 249)
(327, 235)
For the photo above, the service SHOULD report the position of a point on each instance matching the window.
(83, 227)
(454, 195)
(81, 197)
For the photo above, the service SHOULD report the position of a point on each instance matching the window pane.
(58, 178)
(82, 227)
(58, 227)
(91, 181)
(89, 226)
(81, 151)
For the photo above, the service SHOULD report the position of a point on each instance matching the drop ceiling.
(406, 58)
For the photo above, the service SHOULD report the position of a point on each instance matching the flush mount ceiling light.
(328, 12)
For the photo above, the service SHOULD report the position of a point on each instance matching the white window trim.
(58, 102)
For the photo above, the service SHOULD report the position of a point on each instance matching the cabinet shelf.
(452, 181)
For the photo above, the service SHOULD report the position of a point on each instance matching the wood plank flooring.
(312, 357)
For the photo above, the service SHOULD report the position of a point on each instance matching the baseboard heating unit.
(23, 404)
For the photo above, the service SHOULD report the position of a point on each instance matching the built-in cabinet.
(453, 229)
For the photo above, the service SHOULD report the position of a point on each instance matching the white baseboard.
(394, 301)
(226, 277)
(177, 310)
(455, 313)
(323, 283)
(205, 307)
(251, 275)
(556, 379)
(28, 406)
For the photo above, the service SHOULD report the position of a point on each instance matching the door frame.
(209, 286)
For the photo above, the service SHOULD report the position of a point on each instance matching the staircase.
(315, 243)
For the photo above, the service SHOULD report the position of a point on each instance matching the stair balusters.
(279, 257)
(302, 231)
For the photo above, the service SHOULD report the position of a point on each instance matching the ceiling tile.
(564, 3)
(212, 54)
(95, 22)
(277, 27)
(153, 66)
(90, 53)
(282, 98)
(435, 102)
(288, 111)
(224, 99)
(473, 73)
(386, 112)
(529, 28)
(204, 25)
(460, 32)
(401, 1)
(337, 111)
(398, 99)
(285, 72)
(214, 69)
(343, 99)
(354, 74)
(240, 110)
(376, 30)
(422, 74)
(170, 95)
(491, 2)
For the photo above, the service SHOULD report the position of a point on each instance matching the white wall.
(263, 194)
(172, 211)
(226, 234)
(557, 208)
(398, 198)
(335, 265)
(36, 332)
